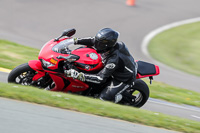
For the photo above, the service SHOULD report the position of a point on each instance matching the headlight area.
(46, 63)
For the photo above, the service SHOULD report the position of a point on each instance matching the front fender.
(35, 65)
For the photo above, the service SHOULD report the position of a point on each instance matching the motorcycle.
(56, 56)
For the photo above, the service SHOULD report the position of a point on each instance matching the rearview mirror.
(68, 33)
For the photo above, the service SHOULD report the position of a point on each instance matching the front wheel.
(137, 95)
(23, 74)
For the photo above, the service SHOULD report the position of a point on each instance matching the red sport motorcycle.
(56, 56)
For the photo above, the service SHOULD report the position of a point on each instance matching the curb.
(155, 32)
(5, 70)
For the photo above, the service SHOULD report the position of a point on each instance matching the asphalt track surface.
(32, 23)
(32, 118)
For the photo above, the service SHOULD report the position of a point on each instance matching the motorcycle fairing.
(89, 60)
(37, 66)
(68, 84)
(86, 56)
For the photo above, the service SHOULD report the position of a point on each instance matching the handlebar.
(70, 58)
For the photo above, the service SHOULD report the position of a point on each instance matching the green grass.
(173, 94)
(178, 47)
(157, 90)
(97, 107)
(13, 54)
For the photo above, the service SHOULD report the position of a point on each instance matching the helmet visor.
(101, 45)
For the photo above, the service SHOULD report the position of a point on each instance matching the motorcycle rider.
(119, 64)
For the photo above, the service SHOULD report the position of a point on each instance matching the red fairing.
(59, 83)
(89, 57)
(76, 85)
(157, 70)
(46, 53)
(68, 84)
(37, 66)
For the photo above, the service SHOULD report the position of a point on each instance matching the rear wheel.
(137, 95)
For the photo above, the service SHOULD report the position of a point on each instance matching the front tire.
(21, 74)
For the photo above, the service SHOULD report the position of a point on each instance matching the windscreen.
(62, 47)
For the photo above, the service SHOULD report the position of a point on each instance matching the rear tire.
(139, 92)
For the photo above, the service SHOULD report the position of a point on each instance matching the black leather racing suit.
(119, 64)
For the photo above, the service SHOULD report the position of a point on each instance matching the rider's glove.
(75, 40)
(81, 76)
(71, 73)
(74, 74)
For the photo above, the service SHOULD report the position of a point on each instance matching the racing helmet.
(105, 39)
